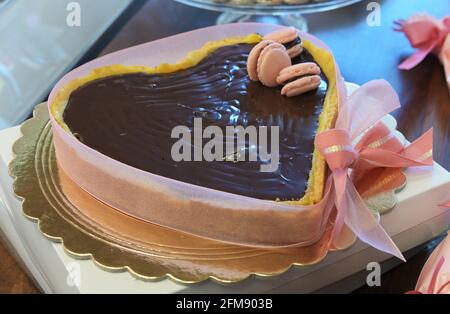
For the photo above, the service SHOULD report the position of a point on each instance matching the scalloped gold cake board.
(117, 242)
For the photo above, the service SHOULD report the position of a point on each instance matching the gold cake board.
(116, 242)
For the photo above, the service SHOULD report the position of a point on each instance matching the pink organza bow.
(435, 275)
(378, 147)
(427, 34)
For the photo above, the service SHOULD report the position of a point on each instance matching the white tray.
(416, 219)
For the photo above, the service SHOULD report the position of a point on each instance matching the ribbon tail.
(421, 150)
(362, 222)
(340, 178)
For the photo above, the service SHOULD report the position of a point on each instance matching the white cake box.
(416, 219)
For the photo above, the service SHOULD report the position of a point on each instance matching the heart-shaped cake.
(114, 136)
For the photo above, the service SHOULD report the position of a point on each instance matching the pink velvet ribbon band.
(428, 35)
(345, 151)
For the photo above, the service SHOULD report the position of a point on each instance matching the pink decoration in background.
(428, 35)
(359, 112)
(435, 275)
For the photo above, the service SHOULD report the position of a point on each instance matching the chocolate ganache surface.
(130, 119)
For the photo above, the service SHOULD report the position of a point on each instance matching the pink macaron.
(265, 62)
(289, 37)
(301, 86)
(283, 35)
(300, 78)
(252, 61)
(272, 60)
(297, 71)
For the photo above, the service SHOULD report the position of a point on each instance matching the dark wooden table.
(364, 53)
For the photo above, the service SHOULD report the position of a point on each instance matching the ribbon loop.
(380, 136)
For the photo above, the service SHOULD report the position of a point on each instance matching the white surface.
(415, 220)
(37, 46)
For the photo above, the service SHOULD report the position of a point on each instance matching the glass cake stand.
(266, 11)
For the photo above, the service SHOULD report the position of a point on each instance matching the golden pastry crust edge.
(324, 58)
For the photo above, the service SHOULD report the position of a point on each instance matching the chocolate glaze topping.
(130, 118)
